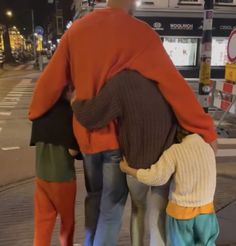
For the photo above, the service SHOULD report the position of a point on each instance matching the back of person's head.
(128, 5)
(181, 133)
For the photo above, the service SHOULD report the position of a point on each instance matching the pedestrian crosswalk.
(12, 99)
(13, 108)
(26, 67)
(227, 149)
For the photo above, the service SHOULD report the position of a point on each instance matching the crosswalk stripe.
(5, 113)
(8, 103)
(10, 148)
(19, 67)
(30, 67)
(25, 81)
(226, 153)
(7, 107)
(227, 141)
(23, 92)
(14, 94)
(12, 98)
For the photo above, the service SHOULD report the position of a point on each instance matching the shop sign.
(231, 48)
(181, 27)
(177, 26)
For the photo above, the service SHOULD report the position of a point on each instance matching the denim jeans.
(150, 206)
(106, 197)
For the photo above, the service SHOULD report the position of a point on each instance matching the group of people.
(111, 97)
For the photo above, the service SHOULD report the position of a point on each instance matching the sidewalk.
(17, 69)
(16, 211)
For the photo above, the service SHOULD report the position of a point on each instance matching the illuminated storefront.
(182, 41)
(17, 41)
(182, 51)
(219, 51)
(1, 38)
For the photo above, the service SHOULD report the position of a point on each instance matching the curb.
(5, 188)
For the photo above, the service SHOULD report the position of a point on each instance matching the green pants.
(202, 230)
(54, 163)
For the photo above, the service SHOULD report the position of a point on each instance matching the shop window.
(225, 2)
(219, 51)
(197, 2)
(182, 51)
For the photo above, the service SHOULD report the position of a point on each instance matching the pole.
(206, 54)
(34, 38)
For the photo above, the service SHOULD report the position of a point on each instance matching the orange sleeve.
(51, 83)
(154, 63)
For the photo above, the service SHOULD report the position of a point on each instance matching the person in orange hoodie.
(121, 42)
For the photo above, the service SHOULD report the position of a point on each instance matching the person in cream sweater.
(191, 166)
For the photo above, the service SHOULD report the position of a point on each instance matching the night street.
(99, 98)
(17, 170)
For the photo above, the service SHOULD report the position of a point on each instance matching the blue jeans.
(106, 197)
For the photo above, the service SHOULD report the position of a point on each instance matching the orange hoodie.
(96, 48)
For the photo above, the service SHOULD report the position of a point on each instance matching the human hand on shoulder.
(125, 168)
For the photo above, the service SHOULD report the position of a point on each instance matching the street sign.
(39, 30)
(231, 49)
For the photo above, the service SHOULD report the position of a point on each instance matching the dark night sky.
(22, 15)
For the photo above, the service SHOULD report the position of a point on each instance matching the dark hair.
(181, 133)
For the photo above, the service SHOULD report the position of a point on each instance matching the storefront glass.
(189, 1)
(182, 51)
(219, 51)
(230, 2)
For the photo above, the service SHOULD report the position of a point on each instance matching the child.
(55, 194)
(146, 127)
(191, 219)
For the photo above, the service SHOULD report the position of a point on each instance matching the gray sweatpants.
(147, 207)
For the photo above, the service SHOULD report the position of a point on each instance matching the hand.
(73, 97)
(124, 166)
(69, 92)
(73, 152)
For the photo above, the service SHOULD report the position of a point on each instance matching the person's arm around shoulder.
(51, 83)
(99, 111)
(158, 174)
(154, 63)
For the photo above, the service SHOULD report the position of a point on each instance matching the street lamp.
(9, 13)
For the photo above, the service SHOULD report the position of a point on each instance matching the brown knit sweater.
(146, 123)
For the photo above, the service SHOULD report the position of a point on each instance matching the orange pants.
(52, 199)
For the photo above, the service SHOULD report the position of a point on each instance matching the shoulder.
(143, 27)
(171, 151)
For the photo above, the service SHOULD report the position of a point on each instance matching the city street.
(17, 170)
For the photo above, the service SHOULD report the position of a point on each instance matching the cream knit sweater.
(193, 167)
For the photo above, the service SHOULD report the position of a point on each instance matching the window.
(182, 51)
(225, 2)
(219, 51)
(190, 2)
